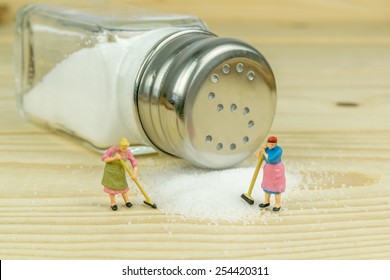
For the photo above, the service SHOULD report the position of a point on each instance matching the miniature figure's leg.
(126, 199)
(278, 200)
(267, 197)
(112, 199)
(266, 203)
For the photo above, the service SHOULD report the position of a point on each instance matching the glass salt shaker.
(162, 81)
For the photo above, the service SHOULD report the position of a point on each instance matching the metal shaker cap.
(206, 99)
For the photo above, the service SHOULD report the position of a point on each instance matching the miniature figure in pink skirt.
(274, 180)
(114, 177)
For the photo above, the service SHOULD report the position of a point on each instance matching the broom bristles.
(151, 204)
(248, 199)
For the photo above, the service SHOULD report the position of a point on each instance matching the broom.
(148, 201)
(247, 196)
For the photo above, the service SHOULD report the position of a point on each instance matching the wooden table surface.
(331, 62)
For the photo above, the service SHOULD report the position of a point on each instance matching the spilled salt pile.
(212, 195)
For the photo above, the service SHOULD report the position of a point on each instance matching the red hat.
(272, 139)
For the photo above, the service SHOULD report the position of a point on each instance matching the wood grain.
(332, 71)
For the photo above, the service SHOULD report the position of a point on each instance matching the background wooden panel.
(330, 60)
(276, 11)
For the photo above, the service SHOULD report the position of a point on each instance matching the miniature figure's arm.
(133, 163)
(135, 172)
(262, 151)
(107, 157)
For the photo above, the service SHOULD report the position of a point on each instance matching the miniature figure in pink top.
(114, 177)
(274, 180)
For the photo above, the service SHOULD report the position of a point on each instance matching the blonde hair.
(124, 142)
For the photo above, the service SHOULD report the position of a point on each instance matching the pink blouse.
(127, 155)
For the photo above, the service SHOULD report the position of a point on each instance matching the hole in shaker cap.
(233, 107)
(251, 124)
(211, 95)
(240, 67)
(233, 146)
(245, 139)
(250, 76)
(209, 138)
(246, 111)
(214, 78)
(219, 107)
(219, 146)
(226, 69)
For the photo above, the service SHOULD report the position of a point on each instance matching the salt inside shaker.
(163, 81)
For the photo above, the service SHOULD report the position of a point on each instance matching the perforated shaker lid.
(209, 100)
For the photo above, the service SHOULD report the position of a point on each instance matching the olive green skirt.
(114, 176)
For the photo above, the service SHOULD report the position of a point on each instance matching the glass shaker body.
(162, 81)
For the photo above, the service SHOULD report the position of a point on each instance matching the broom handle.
(259, 162)
(134, 180)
